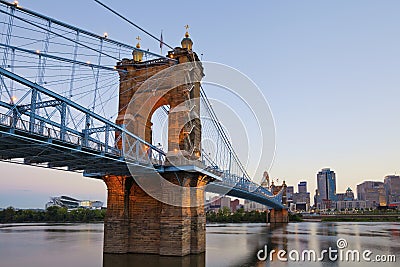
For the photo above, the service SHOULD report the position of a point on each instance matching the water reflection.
(140, 260)
(65, 245)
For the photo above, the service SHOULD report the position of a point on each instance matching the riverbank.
(352, 218)
(225, 215)
(52, 215)
(62, 215)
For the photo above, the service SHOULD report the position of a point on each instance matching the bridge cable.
(222, 132)
(135, 25)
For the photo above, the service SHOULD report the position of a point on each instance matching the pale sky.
(329, 70)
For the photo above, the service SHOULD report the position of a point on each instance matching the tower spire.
(187, 31)
(137, 54)
(187, 42)
(138, 39)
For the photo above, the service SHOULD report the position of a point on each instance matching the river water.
(80, 245)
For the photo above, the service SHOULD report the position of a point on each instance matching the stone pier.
(137, 223)
(278, 216)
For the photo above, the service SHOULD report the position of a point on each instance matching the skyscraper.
(326, 183)
(289, 192)
(301, 199)
(302, 187)
(392, 188)
(289, 195)
(373, 192)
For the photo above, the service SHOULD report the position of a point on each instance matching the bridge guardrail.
(147, 156)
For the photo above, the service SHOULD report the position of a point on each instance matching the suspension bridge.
(64, 96)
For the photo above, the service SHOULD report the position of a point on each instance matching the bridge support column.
(198, 221)
(175, 231)
(278, 216)
(116, 223)
(137, 223)
(144, 222)
(182, 229)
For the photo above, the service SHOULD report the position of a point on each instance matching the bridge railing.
(143, 153)
(99, 137)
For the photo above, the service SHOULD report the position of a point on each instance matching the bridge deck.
(39, 150)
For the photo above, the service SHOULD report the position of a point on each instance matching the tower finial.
(186, 42)
(138, 44)
(137, 54)
(187, 32)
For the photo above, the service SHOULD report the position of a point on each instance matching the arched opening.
(159, 128)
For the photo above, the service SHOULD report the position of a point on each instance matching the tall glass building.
(326, 183)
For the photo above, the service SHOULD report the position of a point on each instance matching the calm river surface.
(80, 245)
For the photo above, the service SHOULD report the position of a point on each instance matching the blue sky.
(329, 70)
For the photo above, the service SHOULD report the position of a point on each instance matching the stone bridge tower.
(135, 221)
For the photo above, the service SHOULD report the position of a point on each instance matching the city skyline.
(41, 198)
(331, 86)
(370, 195)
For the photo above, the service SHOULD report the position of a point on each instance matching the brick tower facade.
(135, 221)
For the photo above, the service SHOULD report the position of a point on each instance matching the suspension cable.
(130, 22)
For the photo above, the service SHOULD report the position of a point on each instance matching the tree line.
(224, 215)
(51, 214)
(60, 215)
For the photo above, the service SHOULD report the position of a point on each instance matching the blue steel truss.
(47, 129)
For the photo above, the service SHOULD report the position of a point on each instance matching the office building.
(344, 205)
(348, 196)
(289, 193)
(302, 187)
(301, 199)
(218, 202)
(251, 205)
(326, 185)
(235, 205)
(226, 202)
(373, 192)
(392, 188)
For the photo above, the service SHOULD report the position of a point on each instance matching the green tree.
(7, 215)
